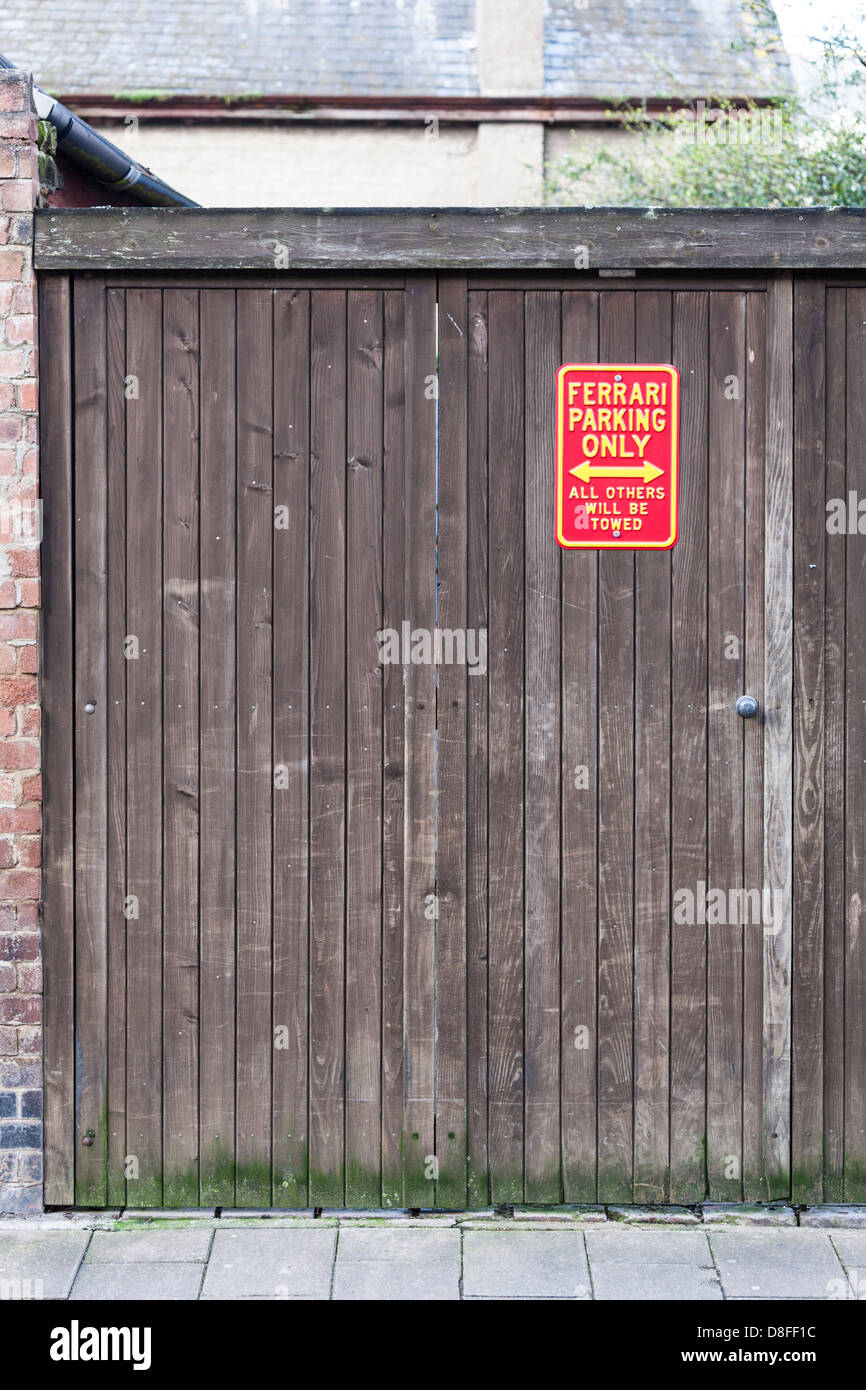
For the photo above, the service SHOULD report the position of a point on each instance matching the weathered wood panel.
(455, 689)
(835, 886)
(754, 1186)
(393, 748)
(725, 675)
(58, 889)
(327, 745)
(855, 753)
(505, 411)
(542, 770)
(810, 465)
(419, 771)
(688, 986)
(253, 871)
(477, 753)
(144, 695)
(579, 821)
(90, 743)
(217, 756)
(652, 837)
(363, 747)
(778, 730)
(616, 656)
(822, 948)
(116, 697)
(180, 755)
(532, 239)
(291, 616)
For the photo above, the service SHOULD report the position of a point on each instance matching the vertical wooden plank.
(393, 566)
(652, 791)
(255, 533)
(689, 755)
(180, 746)
(327, 744)
(835, 885)
(615, 822)
(180, 828)
(217, 704)
(363, 748)
(291, 747)
(855, 764)
(91, 598)
(754, 1186)
(778, 730)
(144, 745)
(542, 873)
(477, 749)
(419, 767)
(58, 924)
(807, 1125)
(116, 729)
(456, 687)
(505, 778)
(725, 641)
(579, 824)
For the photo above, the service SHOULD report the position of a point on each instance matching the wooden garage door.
(230, 834)
(629, 1056)
(321, 931)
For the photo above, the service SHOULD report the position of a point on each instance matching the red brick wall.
(20, 782)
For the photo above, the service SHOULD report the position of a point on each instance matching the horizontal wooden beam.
(523, 239)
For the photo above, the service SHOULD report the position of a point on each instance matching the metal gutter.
(106, 163)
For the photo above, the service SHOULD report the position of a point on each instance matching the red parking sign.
(617, 432)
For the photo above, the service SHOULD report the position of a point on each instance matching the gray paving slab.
(850, 1246)
(281, 1263)
(39, 1264)
(381, 1263)
(152, 1282)
(776, 1263)
(613, 1244)
(779, 1298)
(525, 1264)
(148, 1247)
(857, 1283)
(619, 1279)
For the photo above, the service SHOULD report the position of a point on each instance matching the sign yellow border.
(674, 466)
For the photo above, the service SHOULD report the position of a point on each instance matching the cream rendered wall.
(231, 164)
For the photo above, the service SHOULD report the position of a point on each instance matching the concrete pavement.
(719, 1254)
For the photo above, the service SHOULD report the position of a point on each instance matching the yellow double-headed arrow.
(587, 471)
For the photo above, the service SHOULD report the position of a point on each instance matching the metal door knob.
(747, 706)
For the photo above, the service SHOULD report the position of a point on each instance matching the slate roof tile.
(320, 48)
